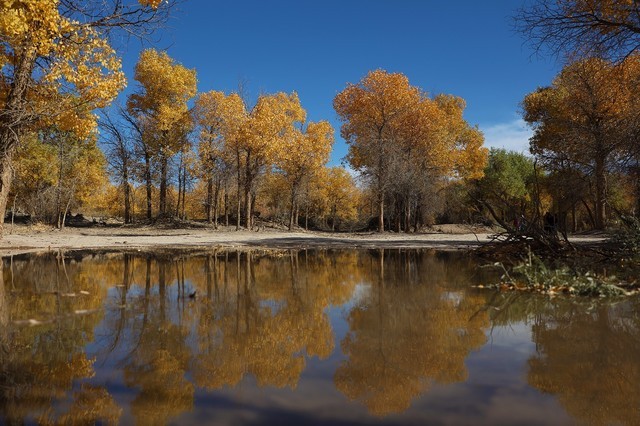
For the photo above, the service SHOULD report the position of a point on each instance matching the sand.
(26, 239)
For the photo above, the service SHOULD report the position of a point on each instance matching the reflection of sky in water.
(493, 388)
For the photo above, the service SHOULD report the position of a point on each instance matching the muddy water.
(304, 337)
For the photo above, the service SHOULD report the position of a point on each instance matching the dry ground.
(23, 239)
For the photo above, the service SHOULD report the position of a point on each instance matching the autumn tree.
(582, 28)
(55, 172)
(57, 65)
(259, 139)
(160, 105)
(218, 118)
(395, 131)
(587, 119)
(302, 155)
(341, 196)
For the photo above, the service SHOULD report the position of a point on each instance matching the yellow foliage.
(302, 156)
(165, 89)
(151, 3)
(385, 119)
(77, 167)
(341, 194)
(82, 71)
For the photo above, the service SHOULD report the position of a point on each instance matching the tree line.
(171, 152)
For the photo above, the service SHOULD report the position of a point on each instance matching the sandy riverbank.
(24, 239)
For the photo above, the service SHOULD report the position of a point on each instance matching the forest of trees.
(172, 153)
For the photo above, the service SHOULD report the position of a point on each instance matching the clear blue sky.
(466, 48)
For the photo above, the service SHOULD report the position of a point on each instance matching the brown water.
(304, 337)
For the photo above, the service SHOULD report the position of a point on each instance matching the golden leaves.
(37, 22)
(81, 73)
(166, 86)
(303, 153)
(587, 98)
(385, 118)
(154, 4)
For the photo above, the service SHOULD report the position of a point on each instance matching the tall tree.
(585, 118)
(218, 118)
(303, 154)
(56, 66)
(261, 138)
(372, 112)
(161, 103)
(395, 131)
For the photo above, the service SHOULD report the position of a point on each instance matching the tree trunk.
(252, 210)
(179, 189)
(60, 221)
(13, 118)
(381, 211)
(591, 218)
(292, 200)
(226, 206)
(397, 214)
(239, 191)
(127, 200)
(6, 176)
(163, 185)
(184, 193)
(601, 193)
(247, 208)
(248, 181)
(215, 204)
(66, 210)
(417, 216)
(147, 178)
(407, 217)
(209, 199)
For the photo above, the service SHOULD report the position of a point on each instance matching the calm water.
(306, 337)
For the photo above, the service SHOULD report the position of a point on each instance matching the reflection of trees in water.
(589, 359)
(38, 365)
(255, 314)
(408, 331)
(157, 365)
(268, 315)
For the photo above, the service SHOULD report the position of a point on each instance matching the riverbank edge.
(29, 239)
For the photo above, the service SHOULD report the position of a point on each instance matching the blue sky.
(465, 48)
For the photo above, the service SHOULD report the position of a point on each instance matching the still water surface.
(304, 337)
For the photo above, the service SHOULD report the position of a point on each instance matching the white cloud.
(513, 136)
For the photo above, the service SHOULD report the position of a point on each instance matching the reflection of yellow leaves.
(246, 338)
(403, 337)
(92, 405)
(589, 361)
(165, 392)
